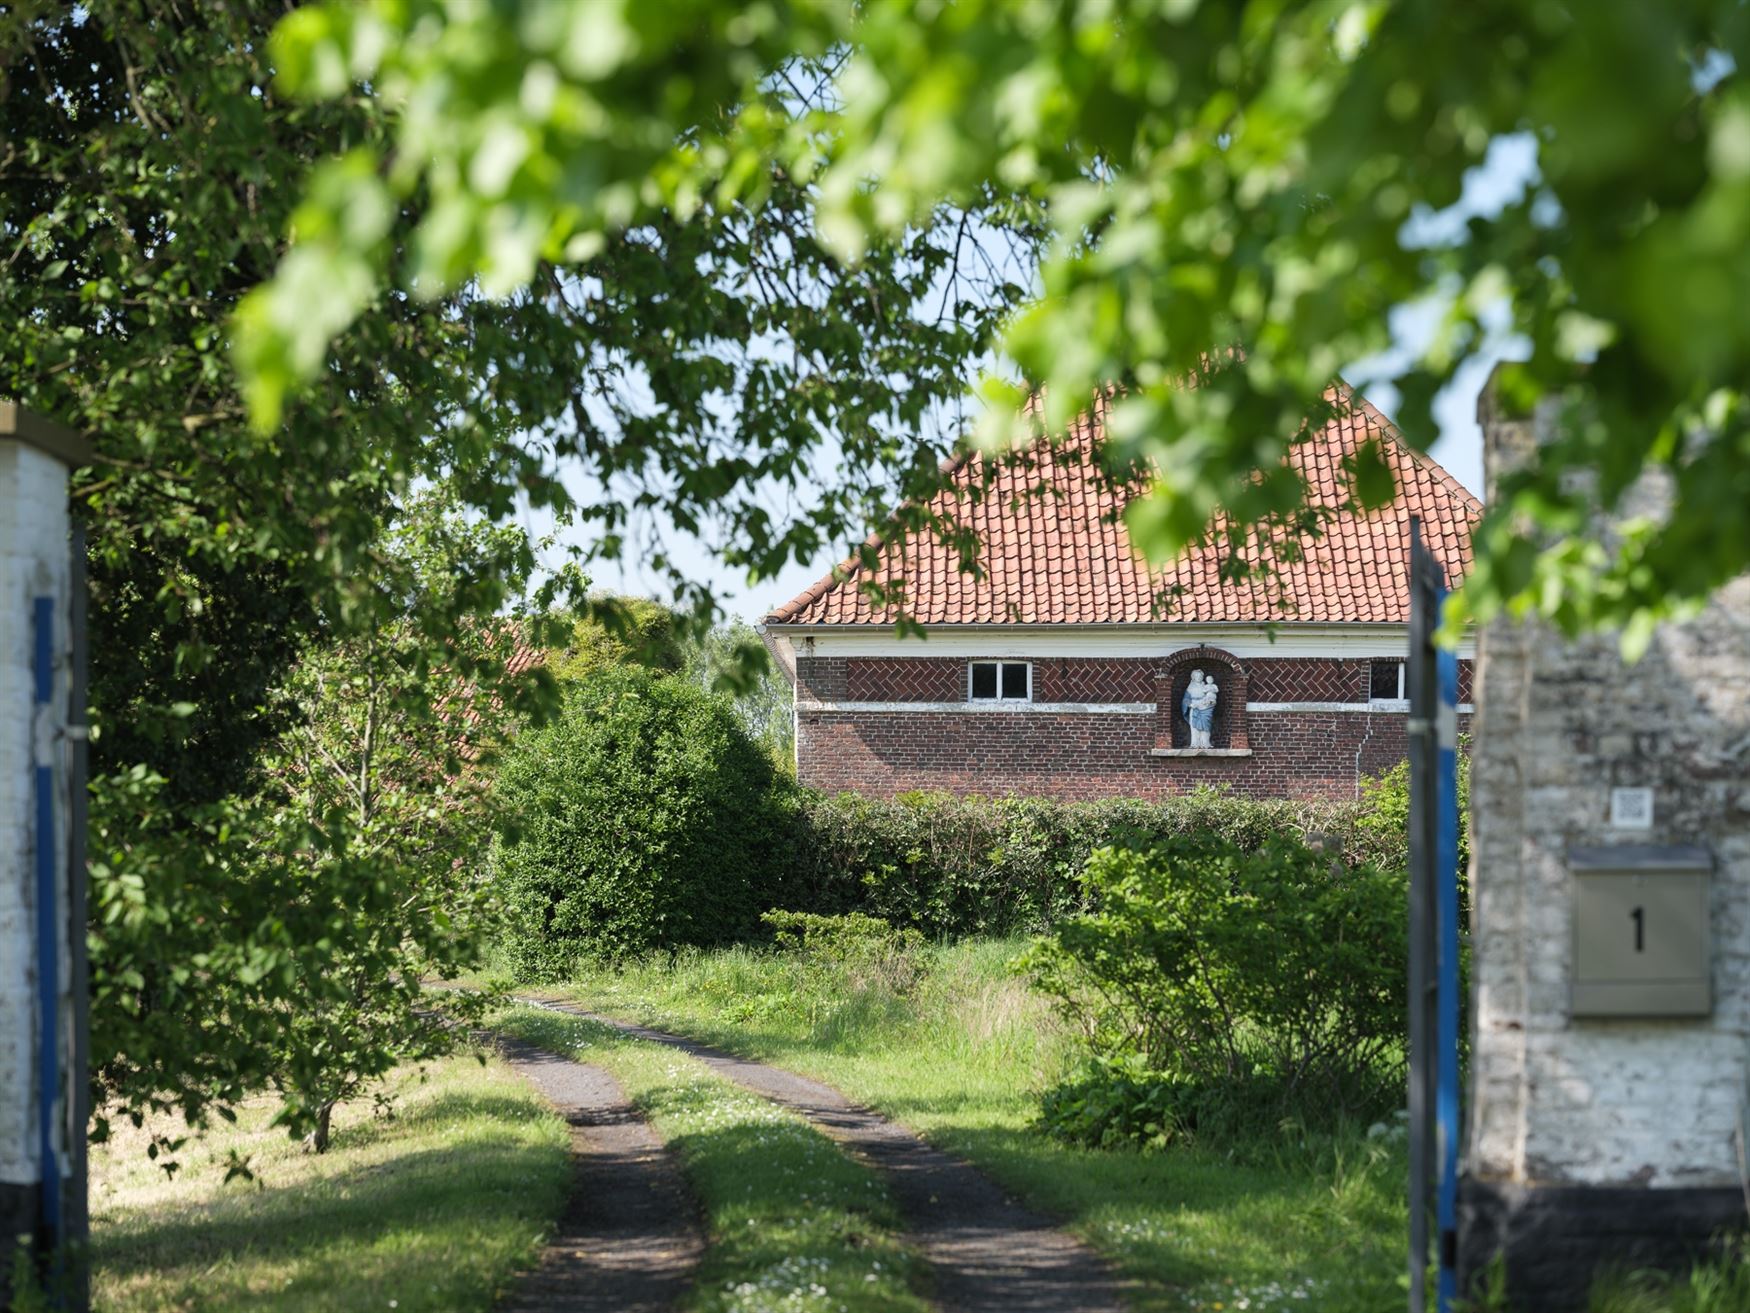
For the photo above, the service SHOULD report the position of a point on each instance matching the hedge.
(645, 818)
(642, 817)
(953, 866)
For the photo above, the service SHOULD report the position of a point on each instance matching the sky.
(1508, 169)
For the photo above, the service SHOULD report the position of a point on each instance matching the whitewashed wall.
(33, 562)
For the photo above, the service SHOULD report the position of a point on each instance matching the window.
(1387, 682)
(1000, 681)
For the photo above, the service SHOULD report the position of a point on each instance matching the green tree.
(686, 368)
(730, 659)
(1237, 193)
(620, 631)
(276, 936)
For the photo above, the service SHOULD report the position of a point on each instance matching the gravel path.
(629, 1237)
(988, 1253)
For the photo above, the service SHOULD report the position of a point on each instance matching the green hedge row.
(961, 866)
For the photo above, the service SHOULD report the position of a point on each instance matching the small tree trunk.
(317, 1140)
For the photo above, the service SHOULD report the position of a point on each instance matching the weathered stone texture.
(1559, 1103)
(1560, 723)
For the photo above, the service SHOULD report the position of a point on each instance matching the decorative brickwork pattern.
(906, 679)
(1103, 679)
(1297, 679)
(1055, 679)
(1086, 679)
(1087, 756)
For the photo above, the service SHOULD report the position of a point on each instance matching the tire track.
(988, 1253)
(629, 1238)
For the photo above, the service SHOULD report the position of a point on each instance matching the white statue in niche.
(1198, 708)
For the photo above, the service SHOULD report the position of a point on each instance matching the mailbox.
(1641, 941)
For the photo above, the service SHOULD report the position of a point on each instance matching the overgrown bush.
(1381, 833)
(977, 866)
(642, 817)
(862, 949)
(1219, 988)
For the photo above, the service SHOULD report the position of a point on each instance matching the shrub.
(975, 866)
(1381, 833)
(1218, 987)
(861, 949)
(643, 818)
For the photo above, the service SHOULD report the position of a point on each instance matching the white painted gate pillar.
(42, 962)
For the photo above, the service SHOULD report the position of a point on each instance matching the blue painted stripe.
(1447, 1004)
(48, 956)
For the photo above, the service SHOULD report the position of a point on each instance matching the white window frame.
(1403, 697)
(999, 664)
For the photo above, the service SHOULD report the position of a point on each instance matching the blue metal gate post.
(1447, 996)
(1434, 1004)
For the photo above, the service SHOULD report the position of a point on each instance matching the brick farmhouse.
(1058, 669)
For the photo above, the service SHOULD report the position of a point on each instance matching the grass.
(795, 1225)
(1721, 1285)
(431, 1208)
(961, 1055)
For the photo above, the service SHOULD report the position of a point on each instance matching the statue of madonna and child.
(1198, 708)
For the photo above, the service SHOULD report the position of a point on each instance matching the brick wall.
(1297, 754)
(821, 679)
(1308, 679)
(1078, 679)
(1075, 755)
(943, 679)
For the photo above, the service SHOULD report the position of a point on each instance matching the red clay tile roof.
(1062, 558)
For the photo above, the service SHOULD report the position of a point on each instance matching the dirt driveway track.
(629, 1237)
(988, 1253)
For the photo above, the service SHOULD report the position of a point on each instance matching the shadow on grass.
(434, 1225)
(442, 1110)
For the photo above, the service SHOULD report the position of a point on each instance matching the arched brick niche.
(1173, 674)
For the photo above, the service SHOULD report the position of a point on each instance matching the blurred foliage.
(1237, 193)
(246, 608)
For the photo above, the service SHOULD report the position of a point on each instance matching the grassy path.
(1294, 1223)
(795, 1225)
(629, 1239)
(987, 1254)
(430, 1211)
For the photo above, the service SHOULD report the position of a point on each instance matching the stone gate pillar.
(1606, 1120)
